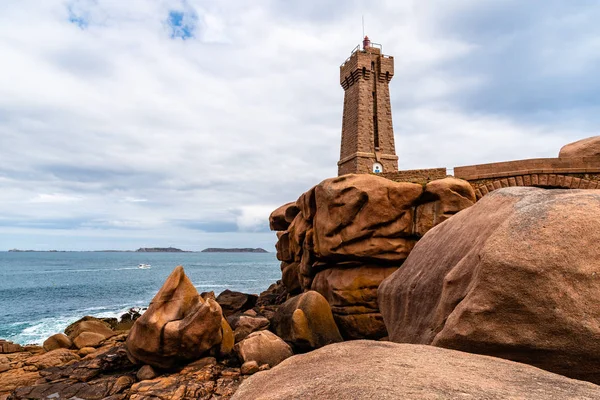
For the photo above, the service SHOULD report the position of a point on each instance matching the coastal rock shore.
(494, 299)
(182, 347)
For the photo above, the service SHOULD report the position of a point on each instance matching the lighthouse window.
(364, 72)
(387, 76)
(372, 65)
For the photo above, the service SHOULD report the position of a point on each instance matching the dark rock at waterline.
(232, 302)
(275, 294)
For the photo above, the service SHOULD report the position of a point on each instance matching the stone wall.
(416, 175)
(564, 173)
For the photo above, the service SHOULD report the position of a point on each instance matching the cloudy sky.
(184, 123)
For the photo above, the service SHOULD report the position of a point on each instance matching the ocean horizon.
(42, 292)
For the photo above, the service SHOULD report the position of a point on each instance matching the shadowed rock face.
(352, 294)
(179, 325)
(306, 322)
(589, 147)
(515, 276)
(381, 370)
(349, 233)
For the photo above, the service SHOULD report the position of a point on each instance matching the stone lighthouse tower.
(367, 133)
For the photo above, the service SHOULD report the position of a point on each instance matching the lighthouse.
(367, 131)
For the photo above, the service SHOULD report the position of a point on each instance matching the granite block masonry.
(367, 131)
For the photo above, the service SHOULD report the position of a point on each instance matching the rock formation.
(88, 332)
(589, 147)
(232, 302)
(380, 370)
(516, 276)
(58, 341)
(179, 325)
(306, 322)
(263, 347)
(345, 235)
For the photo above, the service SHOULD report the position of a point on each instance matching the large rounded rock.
(179, 325)
(264, 347)
(306, 321)
(352, 294)
(88, 332)
(440, 200)
(589, 147)
(515, 276)
(379, 370)
(58, 341)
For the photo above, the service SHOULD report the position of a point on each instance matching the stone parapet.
(531, 166)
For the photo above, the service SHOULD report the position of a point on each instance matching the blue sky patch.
(78, 18)
(182, 24)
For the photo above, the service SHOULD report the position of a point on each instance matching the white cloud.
(55, 198)
(120, 131)
(254, 218)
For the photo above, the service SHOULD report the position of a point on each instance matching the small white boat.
(144, 266)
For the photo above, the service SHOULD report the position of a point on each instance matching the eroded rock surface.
(352, 294)
(179, 325)
(363, 226)
(381, 370)
(515, 276)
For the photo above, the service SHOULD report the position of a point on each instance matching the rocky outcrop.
(179, 325)
(52, 358)
(515, 276)
(202, 379)
(306, 322)
(263, 347)
(358, 224)
(106, 375)
(589, 147)
(380, 370)
(9, 347)
(110, 375)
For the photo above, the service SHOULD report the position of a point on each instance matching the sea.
(41, 293)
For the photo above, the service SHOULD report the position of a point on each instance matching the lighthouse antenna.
(363, 25)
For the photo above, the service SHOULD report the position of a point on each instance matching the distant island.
(150, 250)
(160, 250)
(35, 251)
(234, 250)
